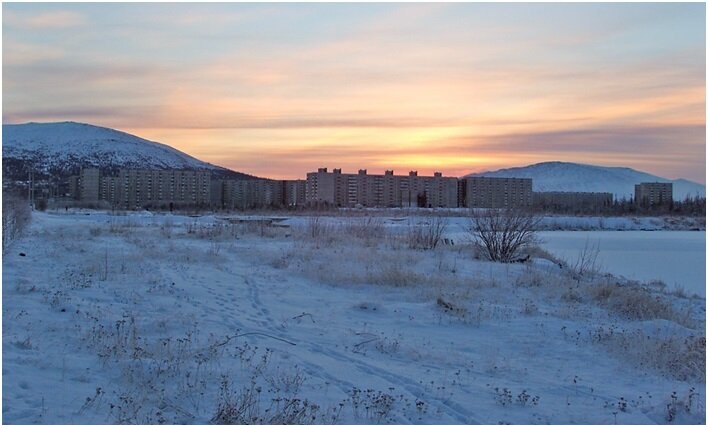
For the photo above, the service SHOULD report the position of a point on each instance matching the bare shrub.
(16, 216)
(586, 264)
(367, 230)
(318, 230)
(426, 235)
(502, 233)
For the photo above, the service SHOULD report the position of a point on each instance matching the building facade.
(262, 193)
(496, 192)
(88, 184)
(572, 201)
(294, 193)
(653, 193)
(142, 188)
(339, 189)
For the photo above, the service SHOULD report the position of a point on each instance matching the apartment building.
(653, 193)
(140, 188)
(249, 194)
(566, 201)
(496, 192)
(262, 193)
(294, 193)
(88, 184)
(374, 190)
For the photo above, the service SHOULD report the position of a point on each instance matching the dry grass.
(634, 302)
(680, 357)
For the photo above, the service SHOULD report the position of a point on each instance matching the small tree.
(502, 233)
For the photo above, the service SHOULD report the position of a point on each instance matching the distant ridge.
(62, 148)
(569, 176)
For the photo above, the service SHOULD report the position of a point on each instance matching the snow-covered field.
(678, 258)
(173, 319)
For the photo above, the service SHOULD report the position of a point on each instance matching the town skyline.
(453, 88)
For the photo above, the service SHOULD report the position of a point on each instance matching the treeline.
(691, 207)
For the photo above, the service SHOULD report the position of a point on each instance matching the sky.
(278, 90)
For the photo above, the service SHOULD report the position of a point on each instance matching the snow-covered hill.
(173, 320)
(63, 147)
(568, 176)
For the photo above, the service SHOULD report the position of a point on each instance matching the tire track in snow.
(449, 407)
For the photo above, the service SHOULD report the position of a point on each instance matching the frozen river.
(677, 258)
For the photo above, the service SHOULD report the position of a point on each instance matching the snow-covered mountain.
(62, 148)
(568, 176)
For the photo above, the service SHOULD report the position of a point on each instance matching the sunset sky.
(278, 90)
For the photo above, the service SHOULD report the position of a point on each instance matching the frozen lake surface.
(677, 258)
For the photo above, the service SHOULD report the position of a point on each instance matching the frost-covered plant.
(586, 265)
(691, 404)
(503, 233)
(244, 407)
(633, 301)
(318, 230)
(680, 357)
(503, 396)
(368, 230)
(426, 235)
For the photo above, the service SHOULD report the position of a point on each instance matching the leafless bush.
(367, 230)
(586, 264)
(16, 216)
(502, 233)
(318, 230)
(428, 234)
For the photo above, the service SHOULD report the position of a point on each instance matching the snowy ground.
(172, 319)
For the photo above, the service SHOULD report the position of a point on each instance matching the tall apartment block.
(375, 190)
(138, 188)
(294, 193)
(88, 184)
(653, 193)
(586, 201)
(496, 192)
(261, 193)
